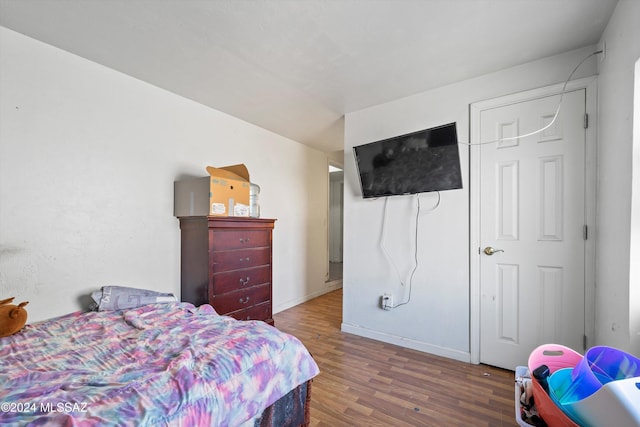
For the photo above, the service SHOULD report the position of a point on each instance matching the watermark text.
(43, 407)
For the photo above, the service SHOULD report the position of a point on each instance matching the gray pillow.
(122, 297)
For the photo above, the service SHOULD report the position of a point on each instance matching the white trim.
(328, 206)
(590, 86)
(327, 277)
(462, 356)
(329, 287)
(591, 202)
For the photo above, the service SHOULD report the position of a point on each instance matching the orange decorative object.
(12, 317)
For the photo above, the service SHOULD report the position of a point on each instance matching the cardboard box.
(225, 192)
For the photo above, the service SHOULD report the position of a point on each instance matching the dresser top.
(231, 221)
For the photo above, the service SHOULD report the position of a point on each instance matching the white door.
(532, 225)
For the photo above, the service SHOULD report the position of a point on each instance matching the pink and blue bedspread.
(156, 365)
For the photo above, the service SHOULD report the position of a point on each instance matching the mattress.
(154, 365)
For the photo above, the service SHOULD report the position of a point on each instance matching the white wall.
(436, 319)
(634, 274)
(88, 157)
(618, 232)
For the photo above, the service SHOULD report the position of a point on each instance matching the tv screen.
(418, 162)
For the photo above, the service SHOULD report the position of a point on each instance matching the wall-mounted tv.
(418, 162)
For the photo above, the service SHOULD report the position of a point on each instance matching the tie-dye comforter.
(156, 365)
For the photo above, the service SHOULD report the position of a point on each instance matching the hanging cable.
(382, 239)
(386, 201)
(555, 116)
(415, 241)
(415, 252)
(434, 206)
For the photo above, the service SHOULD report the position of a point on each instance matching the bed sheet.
(159, 364)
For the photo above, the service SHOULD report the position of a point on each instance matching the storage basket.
(571, 388)
(555, 357)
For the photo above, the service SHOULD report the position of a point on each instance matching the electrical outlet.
(387, 301)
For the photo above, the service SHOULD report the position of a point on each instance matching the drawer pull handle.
(244, 282)
(244, 240)
(244, 300)
(245, 259)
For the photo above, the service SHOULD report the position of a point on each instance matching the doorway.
(532, 202)
(336, 214)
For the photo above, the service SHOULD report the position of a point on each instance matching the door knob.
(490, 251)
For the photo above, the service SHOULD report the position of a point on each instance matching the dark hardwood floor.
(364, 382)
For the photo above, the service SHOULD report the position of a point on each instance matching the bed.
(169, 364)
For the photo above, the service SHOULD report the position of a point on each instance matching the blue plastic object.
(604, 364)
(600, 365)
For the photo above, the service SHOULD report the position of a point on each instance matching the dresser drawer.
(229, 281)
(238, 259)
(238, 300)
(258, 312)
(226, 262)
(239, 239)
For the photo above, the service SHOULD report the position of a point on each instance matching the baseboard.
(407, 343)
(329, 287)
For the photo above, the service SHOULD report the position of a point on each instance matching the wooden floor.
(364, 382)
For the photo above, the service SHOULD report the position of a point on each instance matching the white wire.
(415, 253)
(555, 116)
(432, 208)
(386, 200)
(382, 238)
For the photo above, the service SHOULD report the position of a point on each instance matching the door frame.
(589, 84)
(331, 283)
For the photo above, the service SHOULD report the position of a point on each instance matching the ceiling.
(296, 67)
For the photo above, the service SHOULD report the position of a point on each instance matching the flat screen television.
(418, 162)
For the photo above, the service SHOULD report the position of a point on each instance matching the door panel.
(532, 212)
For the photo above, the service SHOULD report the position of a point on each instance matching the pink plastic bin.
(555, 356)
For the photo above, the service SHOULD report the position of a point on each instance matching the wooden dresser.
(226, 262)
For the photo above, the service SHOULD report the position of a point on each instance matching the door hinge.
(584, 342)
(585, 232)
(586, 121)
